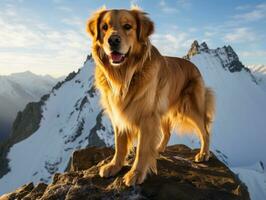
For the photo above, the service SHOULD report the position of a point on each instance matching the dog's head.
(119, 35)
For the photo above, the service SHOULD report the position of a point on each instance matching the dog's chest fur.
(139, 100)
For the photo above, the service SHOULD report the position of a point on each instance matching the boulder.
(179, 177)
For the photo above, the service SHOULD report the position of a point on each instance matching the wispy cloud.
(260, 53)
(64, 8)
(134, 3)
(73, 21)
(256, 13)
(241, 34)
(166, 8)
(253, 56)
(239, 28)
(172, 44)
(184, 3)
(243, 7)
(37, 46)
(57, 1)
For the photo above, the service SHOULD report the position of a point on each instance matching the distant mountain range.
(46, 133)
(17, 90)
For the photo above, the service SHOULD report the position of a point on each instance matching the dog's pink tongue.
(116, 57)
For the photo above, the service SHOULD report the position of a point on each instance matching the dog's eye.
(105, 27)
(127, 26)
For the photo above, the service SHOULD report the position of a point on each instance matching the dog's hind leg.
(121, 151)
(193, 121)
(166, 132)
(204, 123)
(194, 105)
(200, 128)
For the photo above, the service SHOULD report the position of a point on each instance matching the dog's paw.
(109, 169)
(134, 177)
(202, 157)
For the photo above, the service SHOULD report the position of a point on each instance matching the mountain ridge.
(16, 91)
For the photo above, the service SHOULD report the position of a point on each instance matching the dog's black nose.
(114, 41)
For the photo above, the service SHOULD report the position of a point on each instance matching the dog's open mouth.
(118, 58)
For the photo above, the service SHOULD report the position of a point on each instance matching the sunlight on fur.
(146, 95)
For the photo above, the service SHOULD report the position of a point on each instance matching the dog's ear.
(145, 26)
(94, 22)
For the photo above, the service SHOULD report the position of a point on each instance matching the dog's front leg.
(145, 161)
(121, 150)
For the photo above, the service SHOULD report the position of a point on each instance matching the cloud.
(57, 1)
(209, 33)
(32, 44)
(256, 13)
(172, 44)
(17, 35)
(184, 3)
(259, 53)
(134, 3)
(74, 21)
(239, 28)
(243, 7)
(241, 34)
(192, 29)
(64, 8)
(172, 8)
(166, 8)
(252, 56)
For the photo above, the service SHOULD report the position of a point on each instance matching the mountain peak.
(204, 46)
(194, 44)
(196, 48)
(25, 73)
(226, 54)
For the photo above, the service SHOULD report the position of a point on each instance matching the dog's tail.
(209, 109)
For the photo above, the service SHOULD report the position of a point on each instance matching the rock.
(19, 193)
(194, 49)
(36, 192)
(178, 178)
(93, 138)
(26, 123)
(85, 158)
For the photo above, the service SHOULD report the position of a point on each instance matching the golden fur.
(147, 95)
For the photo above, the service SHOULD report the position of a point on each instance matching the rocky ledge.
(178, 178)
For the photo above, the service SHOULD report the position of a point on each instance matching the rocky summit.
(178, 178)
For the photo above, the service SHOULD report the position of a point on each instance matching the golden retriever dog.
(145, 94)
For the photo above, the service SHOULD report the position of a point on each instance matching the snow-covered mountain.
(259, 72)
(70, 118)
(16, 91)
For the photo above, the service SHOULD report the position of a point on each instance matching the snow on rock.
(254, 180)
(68, 116)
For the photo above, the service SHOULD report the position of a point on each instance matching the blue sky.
(48, 36)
